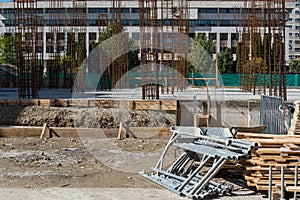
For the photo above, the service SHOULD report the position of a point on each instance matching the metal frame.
(186, 176)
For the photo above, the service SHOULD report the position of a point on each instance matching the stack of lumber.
(272, 150)
(295, 124)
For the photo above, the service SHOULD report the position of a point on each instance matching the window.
(207, 10)
(122, 10)
(39, 49)
(93, 22)
(201, 22)
(224, 36)
(9, 11)
(135, 23)
(191, 23)
(125, 10)
(125, 22)
(134, 10)
(61, 10)
(49, 49)
(135, 36)
(60, 49)
(92, 36)
(234, 36)
(38, 10)
(60, 36)
(211, 22)
(49, 36)
(212, 36)
(39, 36)
(98, 10)
(228, 10)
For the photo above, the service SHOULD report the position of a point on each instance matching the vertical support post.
(195, 104)
(270, 183)
(296, 181)
(282, 184)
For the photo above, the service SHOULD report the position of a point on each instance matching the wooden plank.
(20, 132)
(78, 102)
(58, 102)
(100, 103)
(120, 135)
(268, 151)
(29, 131)
(123, 104)
(147, 105)
(29, 102)
(287, 140)
(44, 102)
(292, 188)
(12, 102)
(276, 181)
(169, 105)
(291, 146)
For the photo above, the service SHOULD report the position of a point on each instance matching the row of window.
(97, 22)
(235, 10)
(75, 10)
(133, 10)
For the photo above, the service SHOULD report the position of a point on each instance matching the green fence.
(234, 80)
(194, 79)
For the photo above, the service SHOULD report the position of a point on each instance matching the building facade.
(293, 35)
(218, 20)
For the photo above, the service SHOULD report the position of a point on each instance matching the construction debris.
(206, 150)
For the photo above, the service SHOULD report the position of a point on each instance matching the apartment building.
(216, 19)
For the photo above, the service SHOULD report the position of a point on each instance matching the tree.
(200, 55)
(7, 49)
(225, 61)
(294, 66)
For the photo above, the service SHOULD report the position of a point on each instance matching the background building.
(59, 27)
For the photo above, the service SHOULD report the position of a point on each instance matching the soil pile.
(80, 117)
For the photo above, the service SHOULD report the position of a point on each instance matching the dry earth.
(107, 168)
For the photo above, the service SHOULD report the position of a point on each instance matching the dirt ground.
(32, 163)
(104, 167)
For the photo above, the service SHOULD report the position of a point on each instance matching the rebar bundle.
(159, 39)
(261, 47)
(26, 48)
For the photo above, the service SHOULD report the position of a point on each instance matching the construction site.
(104, 116)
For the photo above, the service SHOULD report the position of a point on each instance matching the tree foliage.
(8, 49)
(200, 55)
(225, 61)
(121, 41)
(294, 66)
